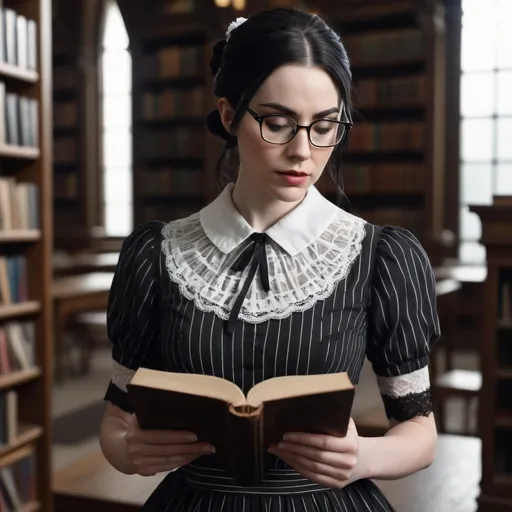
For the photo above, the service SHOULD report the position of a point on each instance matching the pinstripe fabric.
(384, 310)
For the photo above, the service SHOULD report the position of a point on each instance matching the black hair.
(260, 45)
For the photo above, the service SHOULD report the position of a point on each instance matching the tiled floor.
(78, 392)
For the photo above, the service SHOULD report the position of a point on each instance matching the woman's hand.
(156, 451)
(327, 460)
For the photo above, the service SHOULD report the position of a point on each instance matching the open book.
(240, 428)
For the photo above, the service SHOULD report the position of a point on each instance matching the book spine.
(245, 463)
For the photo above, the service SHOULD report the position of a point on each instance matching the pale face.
(305, 94)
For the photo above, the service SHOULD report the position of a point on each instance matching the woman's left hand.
(327, 460)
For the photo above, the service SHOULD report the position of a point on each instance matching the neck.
(259, 209)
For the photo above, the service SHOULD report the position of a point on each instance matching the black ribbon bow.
(254, 254)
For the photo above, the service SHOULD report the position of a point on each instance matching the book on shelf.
(17, 347)
(8, 417)
(18, 119)
(18, 482)
(242, 428)
(19, 205)
(13, 279)
(18, 39)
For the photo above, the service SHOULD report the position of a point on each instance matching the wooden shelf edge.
(19, 377)
(28, 434)
(12, 151)
(20, 235)
(24, 75)
(20, 309)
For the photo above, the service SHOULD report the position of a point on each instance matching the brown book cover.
(242, 428)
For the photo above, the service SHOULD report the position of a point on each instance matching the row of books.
(387, 136)
(380, 178)
(505, 301)
(385, 47)
(171, 103)
(64, 150)
(182, 142)
(18, 482)
(173, 61)
(19, 205)
(18, 39)
(65, 186)
(171, 181)
(8, 417)
(408, 90)
(17, 346)
(65, 114)
(408, 218)
(18, 119)
(13, 279)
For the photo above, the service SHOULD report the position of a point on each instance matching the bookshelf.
(495, 405)
(25, 256)
(172, 93)
(394, 165)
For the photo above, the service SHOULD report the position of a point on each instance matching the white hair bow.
(233, 25)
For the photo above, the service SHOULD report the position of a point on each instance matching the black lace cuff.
(408, 406)
(118, 397)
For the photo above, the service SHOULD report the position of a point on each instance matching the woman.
(272, 279)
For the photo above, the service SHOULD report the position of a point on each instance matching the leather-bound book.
(242, 428)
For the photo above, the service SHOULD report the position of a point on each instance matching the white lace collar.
(200, 257)
(227, 229)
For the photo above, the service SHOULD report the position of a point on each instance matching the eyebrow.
(290, 112)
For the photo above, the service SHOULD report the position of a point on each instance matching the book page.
(290, 386)
(190, 383)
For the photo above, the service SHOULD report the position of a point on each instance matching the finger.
(325, 443)
(322, 479)
(165, 462)
(320, 468)
(173, 449)
(162, 436)
(335, 459)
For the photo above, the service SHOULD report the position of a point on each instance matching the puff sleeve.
(404, 323)
(133, 310)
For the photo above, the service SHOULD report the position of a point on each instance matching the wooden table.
(81, 263)
(451, 484)
(71, 295)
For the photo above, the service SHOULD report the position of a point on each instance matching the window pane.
(117, 112)
(505, 139)
(505, 92)
(118, 219)
(478, 35)
(476, 184)
(117, 149)
(477, 94)
(117, 73)
(470, 225)
(118, 185)
(115, 35)
(477, 143)
(504, 34)
(471, 252)
(504, 180)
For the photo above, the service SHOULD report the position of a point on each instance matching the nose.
(299, 147)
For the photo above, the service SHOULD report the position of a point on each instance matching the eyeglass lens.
(280, 130)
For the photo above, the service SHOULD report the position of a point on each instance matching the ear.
(227, 113)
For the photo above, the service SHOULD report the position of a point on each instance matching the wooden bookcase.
(25, 252)
(172, 93)
(495, 403)
(394, 166)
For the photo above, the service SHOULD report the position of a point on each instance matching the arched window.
(486, 111)
(116, 125)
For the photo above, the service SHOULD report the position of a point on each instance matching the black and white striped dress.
(317, 293)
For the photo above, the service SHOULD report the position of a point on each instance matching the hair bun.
(217, 56)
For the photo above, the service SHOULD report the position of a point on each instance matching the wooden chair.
(451, 382)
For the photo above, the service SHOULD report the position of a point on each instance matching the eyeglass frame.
(348, 125)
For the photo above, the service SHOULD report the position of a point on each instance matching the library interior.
(102, 96)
